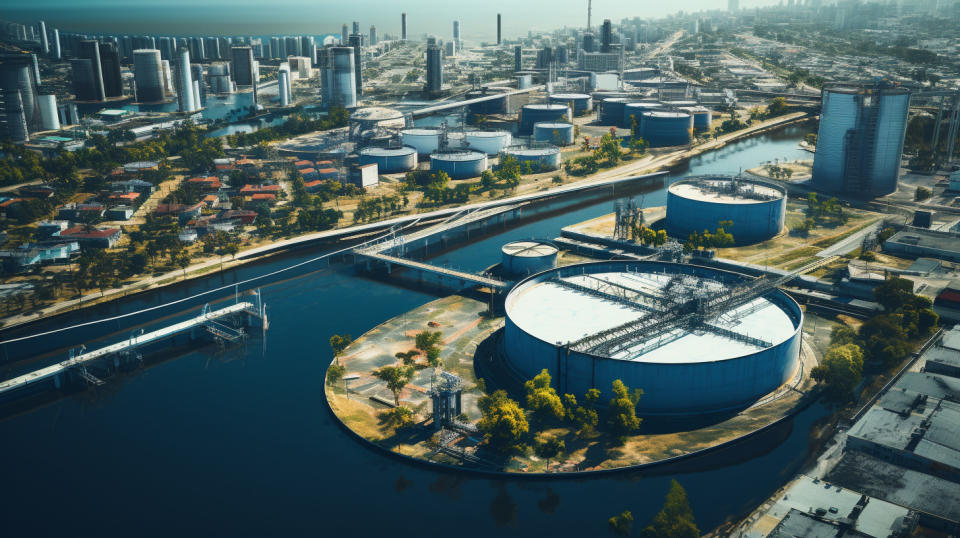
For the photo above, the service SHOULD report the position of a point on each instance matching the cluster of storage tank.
(459, 164)
(531, 115)
(660, 124)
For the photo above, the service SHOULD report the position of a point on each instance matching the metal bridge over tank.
(213, 322)
(679, 305)
(391, 249)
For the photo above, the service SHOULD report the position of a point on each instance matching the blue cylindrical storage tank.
(528, 257)
(547, 158)
(702, 117)
(582, 103)
(560, 134)
(611, 110)
(691, 373)
(637, 110)
(756, 208)
(459, 165)
(662, 129)
(532, 114)
(390, 160)
(499, 102)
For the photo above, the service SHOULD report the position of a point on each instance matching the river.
(239, 442)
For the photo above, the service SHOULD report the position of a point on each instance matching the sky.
(264, 17)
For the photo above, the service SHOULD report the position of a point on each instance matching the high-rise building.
(166, 47)
(517, 58)
(184, 78)
(860, 139)
(499, 35)
(588, 44)
(343, 36)
(57, 54)
(276, 51)
(243, 69)
(110, 64)
(18, 96)
(403, 26)
(49, 118)
(373, 36)
(338, 83)
(606, 36)
(44, 43)
(733, 6)
(356, 42)
(456, 31)
(434, 68)
(89, 49)
(84, 84)
(196, 70)
(148, 75)
(356, 27)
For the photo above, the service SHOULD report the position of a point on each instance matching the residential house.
(85, 212)
(92, 237)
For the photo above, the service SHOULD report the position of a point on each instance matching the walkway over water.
(208, 320)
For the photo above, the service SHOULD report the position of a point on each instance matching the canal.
(239, 442)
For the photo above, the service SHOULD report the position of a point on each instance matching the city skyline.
(255, 18)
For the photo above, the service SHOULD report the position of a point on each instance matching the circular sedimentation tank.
(663, 129)
(460, 164)
(556, 319)
(489, 142)
(375, 116)
(390, 160)
(757, 209)
(637, 110)
(547, 158)
(560, 134)
(541, 113)
(425, 141)
(582, 103)
(528, 257)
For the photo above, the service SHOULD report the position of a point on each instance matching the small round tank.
(547, 158)
(611, 110)
(532, 114)
(528, 257)
(425, 141)
(459, 165)
(560, 134)
(582, 103)
(390, 160)
(662, 129)
(637, 110)
(489, 142)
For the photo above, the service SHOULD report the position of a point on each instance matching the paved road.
(850, 243)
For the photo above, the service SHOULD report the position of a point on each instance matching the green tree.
(622, 411)
(922, 193)
(622, 524)
(503, 423)
(777, 107)
(183, 261)
(542, 399)
(335, 373)
(675, 519)
(840, 371)
(339, 342)
(429, 343)
(399, 417)
(396, 378)
(549, 449)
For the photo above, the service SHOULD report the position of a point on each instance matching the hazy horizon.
(256, 17)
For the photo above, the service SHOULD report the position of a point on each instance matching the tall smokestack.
(498, 29)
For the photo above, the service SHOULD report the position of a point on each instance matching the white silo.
(148, 75)
(49, 119)
(283, 87)
(185, 96)
(196, 95)
(167, 77)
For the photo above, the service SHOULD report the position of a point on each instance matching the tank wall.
(752, 222)
(668, 131)
(391, 164)
(425, 144)
(581, 105)
(528, 265)
(702, 120)
(460, 169)
(611, 112)
(559, 135)
(531, 116)
(668, 388)
(551, 160)
(491, 145)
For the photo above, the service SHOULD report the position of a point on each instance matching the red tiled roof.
(10, 202)
(313, 183)
(264, 196)
(81, 232)
(306, 171)
(327, 171)
(210, 198)
(949, 296)
(259, 188)
(124, 196)
(298, 164)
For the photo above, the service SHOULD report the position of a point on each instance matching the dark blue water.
(240, 443)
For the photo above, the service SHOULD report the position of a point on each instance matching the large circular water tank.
(702, 117)
(390, 160)
(545, 158)
(757, 209)
(556, 320)
(531, 114)
(375, 116)
(425, 141)
(528, 257)
(611, 110)
(560, 134)
(637, 110)
(661, 129)
(582, 103)
(489, 142)
(524, 81)
(459, 165)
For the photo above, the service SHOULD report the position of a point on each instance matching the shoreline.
(607, 177)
